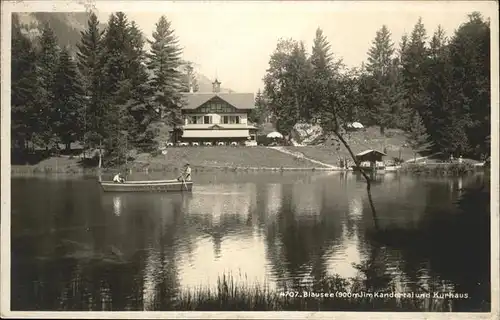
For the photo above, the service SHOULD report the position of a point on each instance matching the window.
(216, 107)
(231, 119)
(227, 109)
(235, 119)
(207, 119)
(195, 120)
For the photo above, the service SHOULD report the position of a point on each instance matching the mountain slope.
(66, 25)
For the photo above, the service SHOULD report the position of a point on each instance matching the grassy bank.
(200, 159)
(228, 159)
(229, 295)
(330, 155)
(251, 158)
(393, 141)
(231, 157)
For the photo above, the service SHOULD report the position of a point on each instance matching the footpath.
(300, 155)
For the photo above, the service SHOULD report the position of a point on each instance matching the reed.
(231, 295)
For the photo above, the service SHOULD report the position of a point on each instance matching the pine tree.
(68, 100)
(300, 73)
(414, 70)
(380, 55)
(403, 49)
(324, 67)
(24, 87)
(117, 86)
(164, 61)
(259, 114)
(49, 58)
(321, 56)
(89, 57)
(470, 60)
(141, 113)
(279, 86)
(190, 80)
(404, 114)
(382, 82)
(438, 111)
(418, 139)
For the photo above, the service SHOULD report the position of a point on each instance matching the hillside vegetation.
(433, 86)
(393, 142)
(66, 25)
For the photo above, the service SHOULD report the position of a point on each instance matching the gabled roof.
(237, 100)
(369, 151)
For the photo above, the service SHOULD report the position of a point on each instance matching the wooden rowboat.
(147, 186)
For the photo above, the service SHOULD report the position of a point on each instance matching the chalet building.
(217, 117)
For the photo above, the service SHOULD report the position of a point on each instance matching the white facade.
(214, 118)
(241, 133)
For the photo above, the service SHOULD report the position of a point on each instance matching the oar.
(184, 182)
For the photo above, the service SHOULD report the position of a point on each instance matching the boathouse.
(371, 158)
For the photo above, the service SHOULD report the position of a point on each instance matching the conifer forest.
(112, 95)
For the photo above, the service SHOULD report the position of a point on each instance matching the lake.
(77, 248)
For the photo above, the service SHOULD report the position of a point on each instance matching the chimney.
(216, 86)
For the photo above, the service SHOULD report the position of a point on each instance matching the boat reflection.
(117, 205)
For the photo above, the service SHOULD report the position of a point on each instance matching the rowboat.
(147, 186)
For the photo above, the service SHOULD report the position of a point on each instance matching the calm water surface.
(71, 242)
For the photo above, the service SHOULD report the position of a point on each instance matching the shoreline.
(227, 159)
(416, 169)
(27, 169)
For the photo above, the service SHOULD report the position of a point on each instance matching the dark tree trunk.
(365, 175)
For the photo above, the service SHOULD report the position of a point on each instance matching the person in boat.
(186, 173)
(118, 178)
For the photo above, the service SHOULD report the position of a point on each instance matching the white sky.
(234, 41)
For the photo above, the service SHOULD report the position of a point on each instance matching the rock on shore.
(306, 134)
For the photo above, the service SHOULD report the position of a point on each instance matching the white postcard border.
(302, 6)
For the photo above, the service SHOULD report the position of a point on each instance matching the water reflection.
(346, 252)
(117, 205)
(76, 248)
